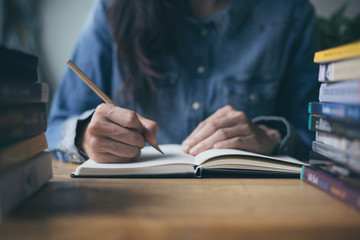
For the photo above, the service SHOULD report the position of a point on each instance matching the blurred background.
(49, 28)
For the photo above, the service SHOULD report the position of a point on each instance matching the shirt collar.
(226, 21)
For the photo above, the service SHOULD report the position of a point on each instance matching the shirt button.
(203, 32)
(200, 69)
(74, 157)
(252, 97)
(196, 105)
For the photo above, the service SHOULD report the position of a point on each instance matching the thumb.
(150, 129)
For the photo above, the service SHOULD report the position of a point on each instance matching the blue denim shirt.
(255, 55)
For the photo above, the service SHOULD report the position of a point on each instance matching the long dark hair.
(140, 28)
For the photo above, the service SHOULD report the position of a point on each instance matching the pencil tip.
(157, 148)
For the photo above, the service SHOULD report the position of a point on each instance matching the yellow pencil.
(97, 90)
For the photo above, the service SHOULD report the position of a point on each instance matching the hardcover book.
(338, 156)
(351, 146)
(17, 66)
(350, 50)
(11, 92)
(328, 165)
(332, 185)
(339, 71)
(176, 163)
(20, 151)
(350, 129)
(347, 92)
(336, 110)
(17, 184)
(21, 121)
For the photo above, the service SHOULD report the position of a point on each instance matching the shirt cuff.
(67, 151)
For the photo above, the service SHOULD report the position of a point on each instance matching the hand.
(116, 134)
(228, 128)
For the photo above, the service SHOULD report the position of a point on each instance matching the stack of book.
(24, 165)
(335, 155)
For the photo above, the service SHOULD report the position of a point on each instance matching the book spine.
(350, 50)
(331, 185)
(23, 92)
(330, 125)
(338, 156)
(340, 143)
(340, 71)
(336, 110)
(347, 92)
(20, 121)
(17, 184)
(322, 72)
(21, 151)
(18, 59)
(17, 66)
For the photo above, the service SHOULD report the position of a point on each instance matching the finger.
(220, 135)
(231, 119)
(103, 127)
(151, 128)
(118, 133)
(222, 112)
(120, 116)
(109, 158)
(205, 132)
(218, 114)
(107, 145)
(239, 142)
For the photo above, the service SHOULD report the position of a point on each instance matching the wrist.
(273, 137)
(80, 133)
(276, 150)
(276, 139)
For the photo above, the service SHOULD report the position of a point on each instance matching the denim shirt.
(255, 55)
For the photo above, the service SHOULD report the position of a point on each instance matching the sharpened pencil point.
(157, 148)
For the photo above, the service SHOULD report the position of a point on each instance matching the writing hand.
(116, 134)
(229, 128)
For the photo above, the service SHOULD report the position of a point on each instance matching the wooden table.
(68, 208)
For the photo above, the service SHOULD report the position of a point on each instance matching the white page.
(149, 158)
(203, 156)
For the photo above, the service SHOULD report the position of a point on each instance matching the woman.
(207, 74)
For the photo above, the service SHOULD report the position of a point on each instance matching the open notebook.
(208, 163)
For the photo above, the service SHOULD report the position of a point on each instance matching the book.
(335, 110)
(347, 92)
(17, 184)
(207, 163)
(17, 66)
(11, 92)
(350, 129)
(18, 152)
(340, 71)
(327, 165)
(351, 146)
(336, 155)
(350, 50)
(340, 172)
(331, 185)
(21, 121)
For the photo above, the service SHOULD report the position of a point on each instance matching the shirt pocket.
(255, 95)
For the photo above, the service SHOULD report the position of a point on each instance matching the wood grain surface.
(90, 208)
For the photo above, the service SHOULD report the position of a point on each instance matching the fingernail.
(194, 151)
(185, 148)
(189, 142)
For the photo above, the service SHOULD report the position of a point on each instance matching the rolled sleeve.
(66, 150)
